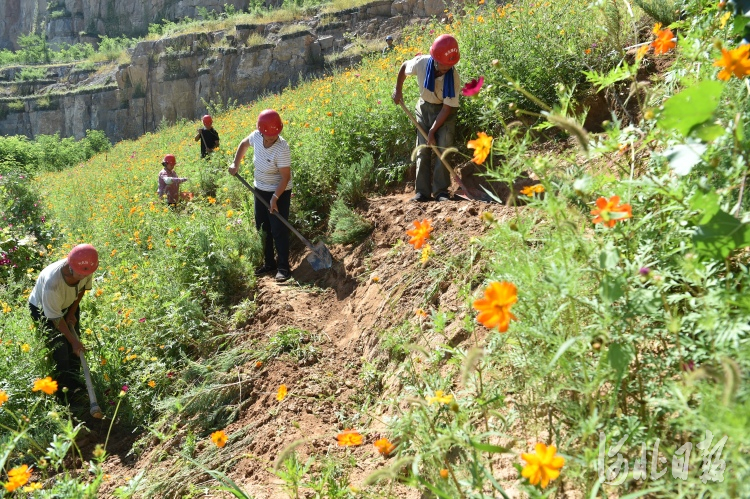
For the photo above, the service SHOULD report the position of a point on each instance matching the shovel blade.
(320, 258)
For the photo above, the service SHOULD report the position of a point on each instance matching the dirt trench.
(369, 288)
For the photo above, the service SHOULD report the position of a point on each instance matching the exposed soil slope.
(371, 287)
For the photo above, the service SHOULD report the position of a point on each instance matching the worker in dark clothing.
(208, 137)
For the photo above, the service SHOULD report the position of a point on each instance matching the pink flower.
(473, 87)
(125, 388)
(142, 319)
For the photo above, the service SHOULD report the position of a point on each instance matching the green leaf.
(690, 107)
(719, 236)
(619, 358)
(708, 132)
(611, 289)
(489, 447)
(560, 351)
(609, 257)
(706, 202)
(739, 25)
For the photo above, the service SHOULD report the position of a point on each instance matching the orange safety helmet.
(269, 122)
(83, 259)
(208, 120)
(445, 50)
(169, 159)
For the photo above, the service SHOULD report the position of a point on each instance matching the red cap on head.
(445, 50)
(83, 259)
(208, 120)
(269, 122)
(169, 159)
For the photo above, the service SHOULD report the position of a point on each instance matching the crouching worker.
(169, 182)
(55, 307)
(273, 182)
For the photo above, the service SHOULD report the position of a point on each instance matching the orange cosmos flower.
(46, 385)
(735, 62)
(281, 394)
(384, 446)
(494, 308)
(420, 233)
(664, 41)
(444, 473)
(17, 477)
(349, 438)
(611, 211)
(219, 438)
(482, 147)
(543, 466)
(3, 397)
(530, 190)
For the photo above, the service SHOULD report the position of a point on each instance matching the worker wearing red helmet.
(272, 182)
(208, 136)
(436, 109)
(169, 182)
(54, 305)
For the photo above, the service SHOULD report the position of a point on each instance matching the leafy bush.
(356, 180)
(31, 74)
(347, 226)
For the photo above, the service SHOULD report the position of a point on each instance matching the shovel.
(320, 258)
(464, 192)
(94, 408)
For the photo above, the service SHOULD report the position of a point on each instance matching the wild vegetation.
(615, 297)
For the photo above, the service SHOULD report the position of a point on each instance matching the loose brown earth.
(371, 286)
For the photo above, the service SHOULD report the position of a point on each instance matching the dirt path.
(344, 310)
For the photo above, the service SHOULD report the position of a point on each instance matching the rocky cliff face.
(168, 78)
(72, 21)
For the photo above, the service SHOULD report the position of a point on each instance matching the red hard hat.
(445, 50)
(169, 159)
(208, 120)
(269, 122)
(83, 259)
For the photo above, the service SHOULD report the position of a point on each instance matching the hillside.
(338, 370)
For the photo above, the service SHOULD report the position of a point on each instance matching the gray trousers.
(428, 164)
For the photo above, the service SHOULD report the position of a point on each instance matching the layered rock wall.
(169, 79)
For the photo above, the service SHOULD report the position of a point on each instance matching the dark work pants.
(272, 230)
(428, 164)
(68, 365)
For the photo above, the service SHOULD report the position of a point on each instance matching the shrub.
(347, 226)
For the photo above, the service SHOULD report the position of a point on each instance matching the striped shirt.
(268, 161)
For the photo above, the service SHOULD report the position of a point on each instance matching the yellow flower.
(33, 486)
(46, 385)
(211, 200)
(426, 253)
(641, 52)
(25, 347)
(482, 147)
(3, 397)
(281, 393)
(494, 307)
(735, 62)
(349, 438)
(219, 438)
(230, 213)
(440, 398)
(542, 467)
(152, 384)
(17, 477)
